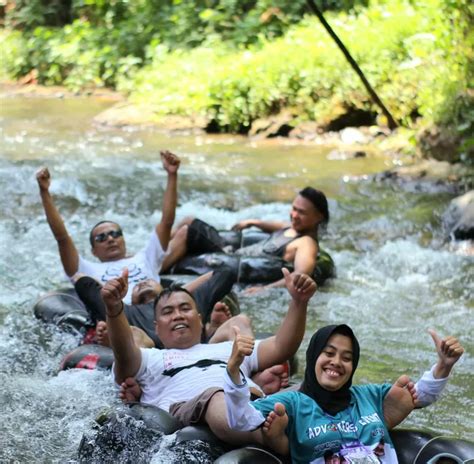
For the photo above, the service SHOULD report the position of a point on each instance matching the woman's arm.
(432, 383)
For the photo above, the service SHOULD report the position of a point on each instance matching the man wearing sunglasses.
(106, 237)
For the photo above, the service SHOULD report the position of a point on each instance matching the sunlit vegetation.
(233, 61)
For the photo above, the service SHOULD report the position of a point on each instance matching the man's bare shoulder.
(307, 241)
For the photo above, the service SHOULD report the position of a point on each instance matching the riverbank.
(275, 73)
(11, 89)
(410, 167)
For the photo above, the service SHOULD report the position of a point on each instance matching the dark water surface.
(397, 276)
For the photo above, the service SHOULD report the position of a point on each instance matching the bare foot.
(253, 290)
(273, 379)
(130, 390)
(220, 314)
(102, 334)
(141, 339)
(274, 435)
(399, 402)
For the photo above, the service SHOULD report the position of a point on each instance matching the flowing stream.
(397, 275)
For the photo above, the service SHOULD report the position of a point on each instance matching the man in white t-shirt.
(186, 368)
(106, 237)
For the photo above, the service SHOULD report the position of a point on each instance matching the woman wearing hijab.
(327, 415)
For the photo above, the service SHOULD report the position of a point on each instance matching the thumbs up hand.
(243, 346)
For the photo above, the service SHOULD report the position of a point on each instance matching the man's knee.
(181, 235)
(187, 220)
(184, 223)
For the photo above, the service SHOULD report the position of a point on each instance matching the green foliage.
(406, 52)
(14, 51)
(235, 61)
(29, 14)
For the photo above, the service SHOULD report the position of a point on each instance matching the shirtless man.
(106, 237)
(295, 242)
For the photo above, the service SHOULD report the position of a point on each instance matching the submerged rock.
(458, 219)
(143, 434)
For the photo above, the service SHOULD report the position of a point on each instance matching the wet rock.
(458, 219)
(308, 130)
(346, 154)
(125, 114)
(439, 143)
(428, 176)
(120, 439)
(351, 135)
(278, 126)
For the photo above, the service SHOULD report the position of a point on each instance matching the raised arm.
(67, 249)
(286, 341)
(265, 226)
(170, 198)
(449, 352)
(404, 395)
(433, 382)
(127, 355)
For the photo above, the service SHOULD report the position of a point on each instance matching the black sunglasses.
(103, 236)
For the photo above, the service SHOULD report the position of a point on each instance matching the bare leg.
(184, 222)
(177, 248)
(273, 379)
(216, 418)
(399, 402)
(142, 340)
(226, 333)
(220, 314)
(274, 435)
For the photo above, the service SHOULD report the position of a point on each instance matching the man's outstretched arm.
(170, 198)
(67, 249)
(286, 341)
(127, 355)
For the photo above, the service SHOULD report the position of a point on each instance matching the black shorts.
(203, 238)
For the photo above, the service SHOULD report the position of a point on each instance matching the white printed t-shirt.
(146, 264)
(169, 376)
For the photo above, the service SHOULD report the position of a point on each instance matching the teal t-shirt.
(315, 436)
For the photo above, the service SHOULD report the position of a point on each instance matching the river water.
(397, 275)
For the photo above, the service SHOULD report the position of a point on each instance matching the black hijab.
(330, 401)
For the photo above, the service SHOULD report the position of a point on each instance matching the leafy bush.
(406, 52)
(235, 61)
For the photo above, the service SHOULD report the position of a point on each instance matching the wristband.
(116, 315)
